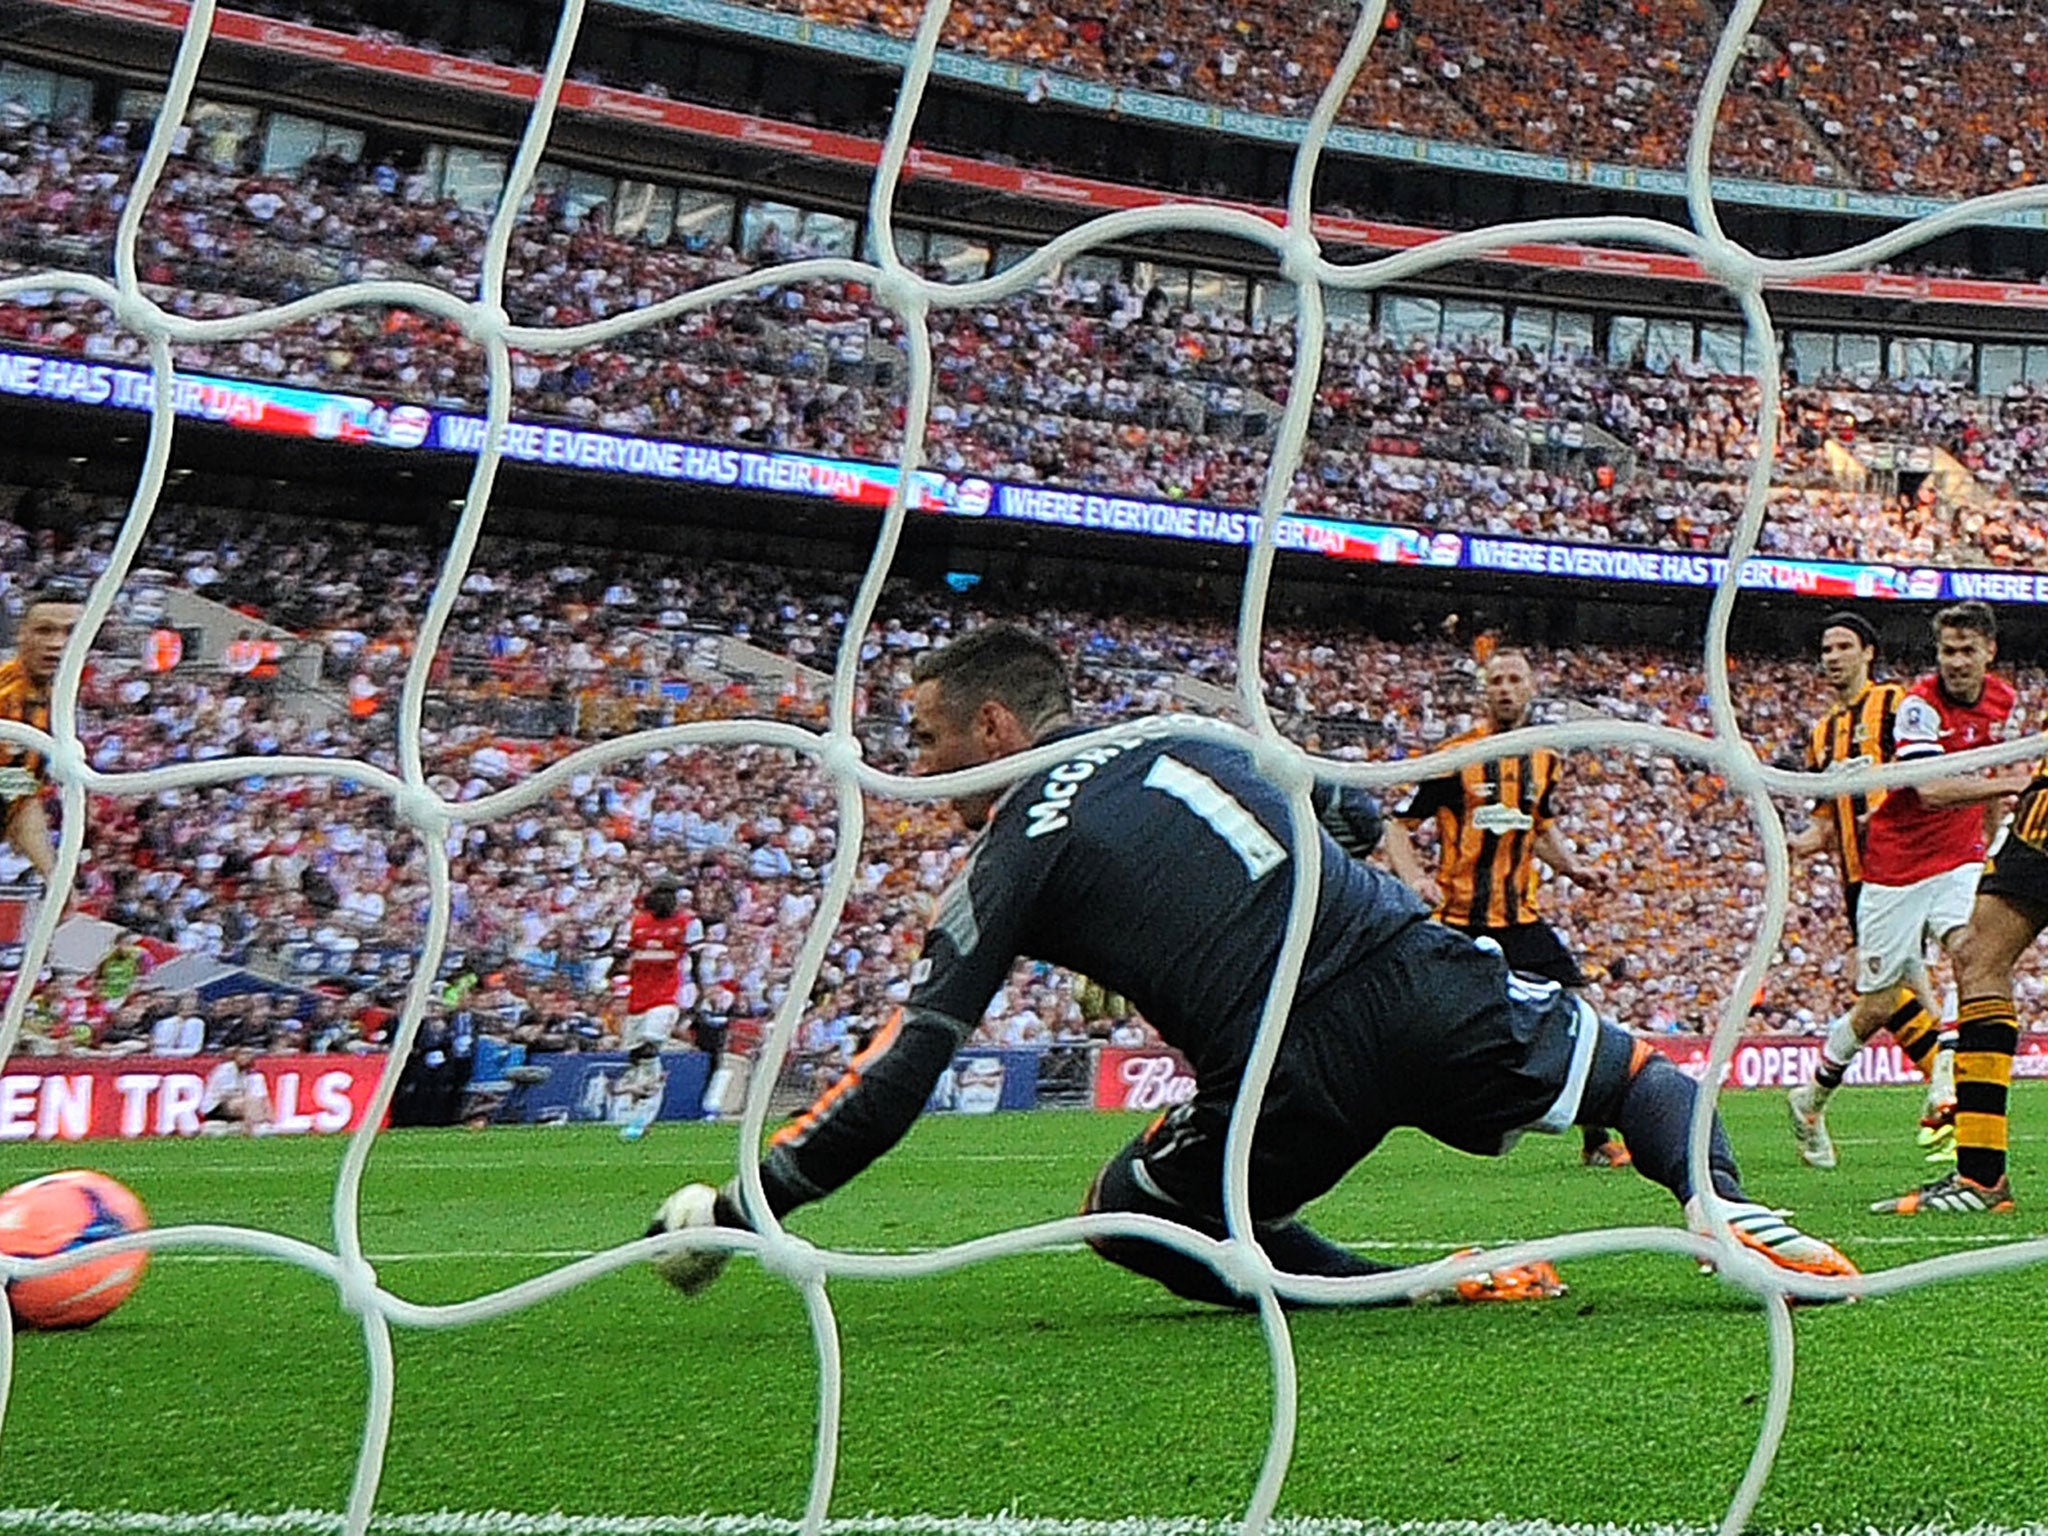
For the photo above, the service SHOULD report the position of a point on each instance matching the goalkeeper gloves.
(1351, 816)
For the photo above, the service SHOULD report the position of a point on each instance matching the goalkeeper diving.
(1160, 867)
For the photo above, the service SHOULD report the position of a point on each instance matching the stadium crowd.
(1935, 99)
(1084, 382)
(1094, 383)
(311, 884)
(1932, 99)
(1938, 100)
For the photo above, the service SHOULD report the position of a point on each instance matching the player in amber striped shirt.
(2010, 911)
(46, 623)
(1856, 728)
(1494, 820)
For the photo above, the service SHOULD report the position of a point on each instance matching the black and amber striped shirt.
(21, 771)
(1861, 728)
(1488, 818)
(2030, 814)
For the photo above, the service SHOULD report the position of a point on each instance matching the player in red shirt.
(1924, 846)
(2009, 913)
(663, 931)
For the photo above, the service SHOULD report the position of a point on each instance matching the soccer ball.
(55, 1214)
(689, 1271)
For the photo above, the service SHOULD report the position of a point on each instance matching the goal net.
(423, 811)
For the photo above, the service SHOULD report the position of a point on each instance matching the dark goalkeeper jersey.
(1158, 866)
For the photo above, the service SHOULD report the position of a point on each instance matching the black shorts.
(1433, 1032)
(1852, 893)
(1473, 1054)
(2016, 870)
(1534, 949)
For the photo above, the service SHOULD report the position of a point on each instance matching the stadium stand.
(308, 886)
(1085, 382)
(1895, 98)
(1094, 380)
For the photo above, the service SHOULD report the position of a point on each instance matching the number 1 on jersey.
(1216, 806)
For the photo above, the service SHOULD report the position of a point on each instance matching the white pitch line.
(391, 1163)
(431, 1256)
(1898, 1141)
(379, 1163)
(61, 1521)
(1927, 1237)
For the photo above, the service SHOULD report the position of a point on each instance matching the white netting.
(837, 752)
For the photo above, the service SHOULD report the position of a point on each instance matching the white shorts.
(656, 1024)
(1895, 922)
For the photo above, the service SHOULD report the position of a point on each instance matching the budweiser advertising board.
(75, 1098)
(1142, 1080)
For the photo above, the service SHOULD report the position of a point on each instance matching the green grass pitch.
(1047, 1385)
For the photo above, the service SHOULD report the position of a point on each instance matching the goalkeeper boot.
(1770, 1236)
(1951, 1195)
(1609, 1154)
(1539, 1281)
(1810, 1128)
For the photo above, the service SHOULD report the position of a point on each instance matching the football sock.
(1298, 1249)
(1941, 1073)
(1656, 1117)
(1988, 1033)
(642, 1117)
(1836, 1052)
(1294, 1248)
(1914, 1028)
(715, 1091)
(1647, 1099)
(1597, 1136)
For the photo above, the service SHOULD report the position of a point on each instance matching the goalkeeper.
(1160, 867)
